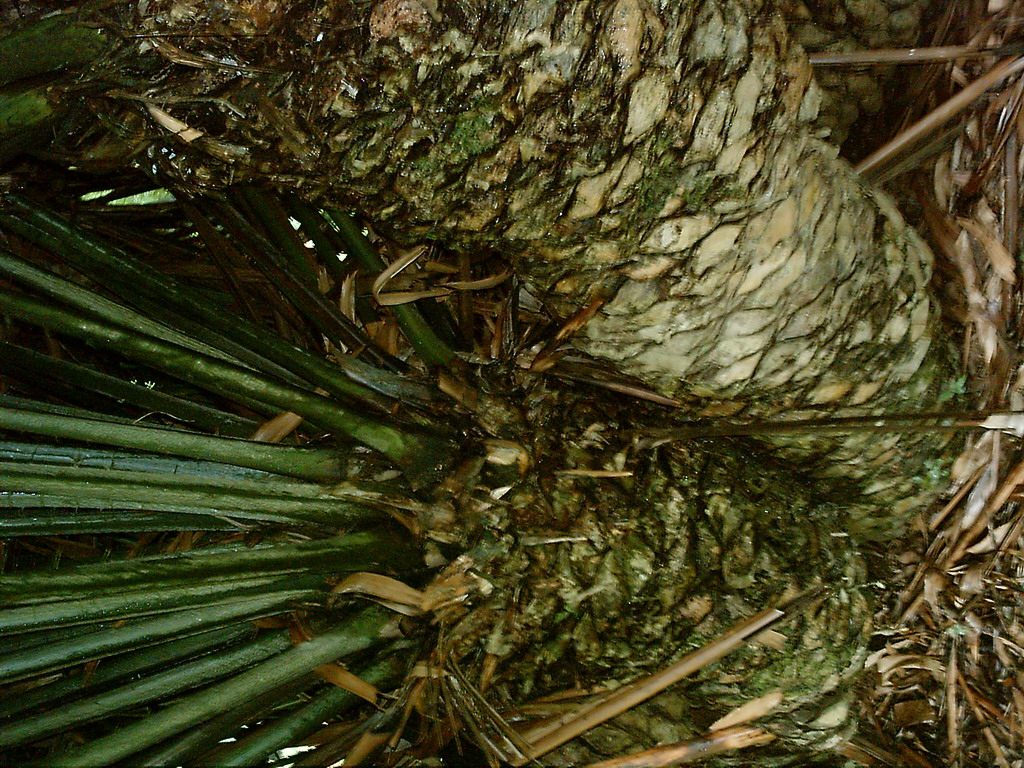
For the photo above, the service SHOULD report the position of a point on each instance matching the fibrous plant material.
(654, 179)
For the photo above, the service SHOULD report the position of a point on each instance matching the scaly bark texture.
(659, 157)
(598, 579)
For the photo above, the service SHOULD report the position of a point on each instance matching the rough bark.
(659, 157)
(604, 580)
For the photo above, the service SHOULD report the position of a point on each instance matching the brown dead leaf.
(750, 710)
(341, 677)
(396, 595)
(889, 665)
(935, 583)
(913, 712)
(180, 129)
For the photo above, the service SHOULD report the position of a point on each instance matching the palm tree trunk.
(662, 163)
(657, 164)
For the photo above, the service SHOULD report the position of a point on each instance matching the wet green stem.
(28, 364)
(150, 688)
(165, 300)
(246, 501)
(295, 726)
(365, 550)
(86, 647)
(48, 45)
(358, 632)
(313, 464)
(421, 455)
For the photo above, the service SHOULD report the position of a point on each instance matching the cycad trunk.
(656, 160)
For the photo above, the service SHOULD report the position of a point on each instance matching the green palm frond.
(160, 627)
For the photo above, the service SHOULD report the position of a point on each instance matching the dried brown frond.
(717, 742)
(944, 687)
